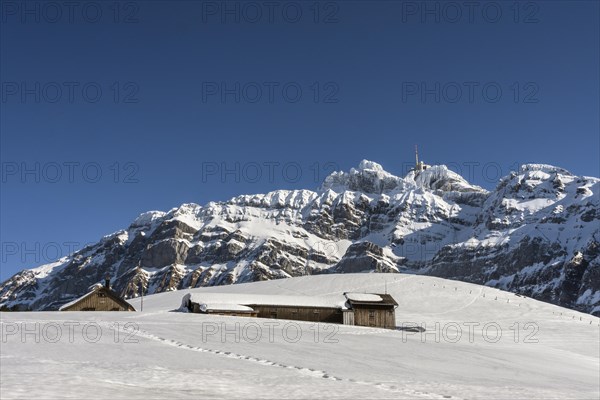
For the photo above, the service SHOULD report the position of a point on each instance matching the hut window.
(101, 294)
(371, 314)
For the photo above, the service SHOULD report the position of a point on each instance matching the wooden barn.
(300, 308)
(100, 298)
(363, 309)
(370, 309)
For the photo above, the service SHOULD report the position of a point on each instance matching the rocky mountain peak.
(546, 168)
(371, 178)
(537, 233)
(147, 218)
(440, 177)
(370, 165)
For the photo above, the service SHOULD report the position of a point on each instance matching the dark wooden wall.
(312, 314)
(382, 317)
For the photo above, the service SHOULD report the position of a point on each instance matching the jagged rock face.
(535, 234)
(366, 257)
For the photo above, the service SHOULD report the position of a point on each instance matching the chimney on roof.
(107, 281)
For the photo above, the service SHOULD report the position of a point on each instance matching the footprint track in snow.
(302, 370)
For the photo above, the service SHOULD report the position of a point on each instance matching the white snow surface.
(544, 351)
(363, 297)
(148, 218)
(223, 307)
(267, 299)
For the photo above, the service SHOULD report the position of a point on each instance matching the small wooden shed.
(371, 309)
(100, 298)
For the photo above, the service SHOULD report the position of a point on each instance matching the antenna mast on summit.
(416, 156)
(419, 165)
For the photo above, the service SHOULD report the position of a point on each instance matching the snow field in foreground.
(478, 343)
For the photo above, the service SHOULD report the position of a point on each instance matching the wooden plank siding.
(348, 317)
(100, 300)
(299, 313)
(382, 317)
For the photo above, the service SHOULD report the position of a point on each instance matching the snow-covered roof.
(69, 304)
(223, 307)
(92, 290)
(363, 297)
(238, 299)
(366, 299)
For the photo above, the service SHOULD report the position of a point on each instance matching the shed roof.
(363, 297)
(370, 299)
(77, 300)
(224, 307)
(240, 299)
(109, 293)
(231, 301)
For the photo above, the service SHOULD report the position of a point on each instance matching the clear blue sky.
(188, 88)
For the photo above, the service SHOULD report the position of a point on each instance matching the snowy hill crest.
(536, 233)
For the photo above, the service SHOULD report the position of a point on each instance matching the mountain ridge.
(535, 234)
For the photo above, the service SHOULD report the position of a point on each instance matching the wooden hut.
(299, 308)
(363, 309)
(370, 309)
(100, 298)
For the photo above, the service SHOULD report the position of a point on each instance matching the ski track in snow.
(315, 373)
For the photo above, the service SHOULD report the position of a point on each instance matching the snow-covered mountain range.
(536, 234)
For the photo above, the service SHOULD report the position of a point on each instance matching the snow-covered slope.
(536, 233)
(478, 343)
